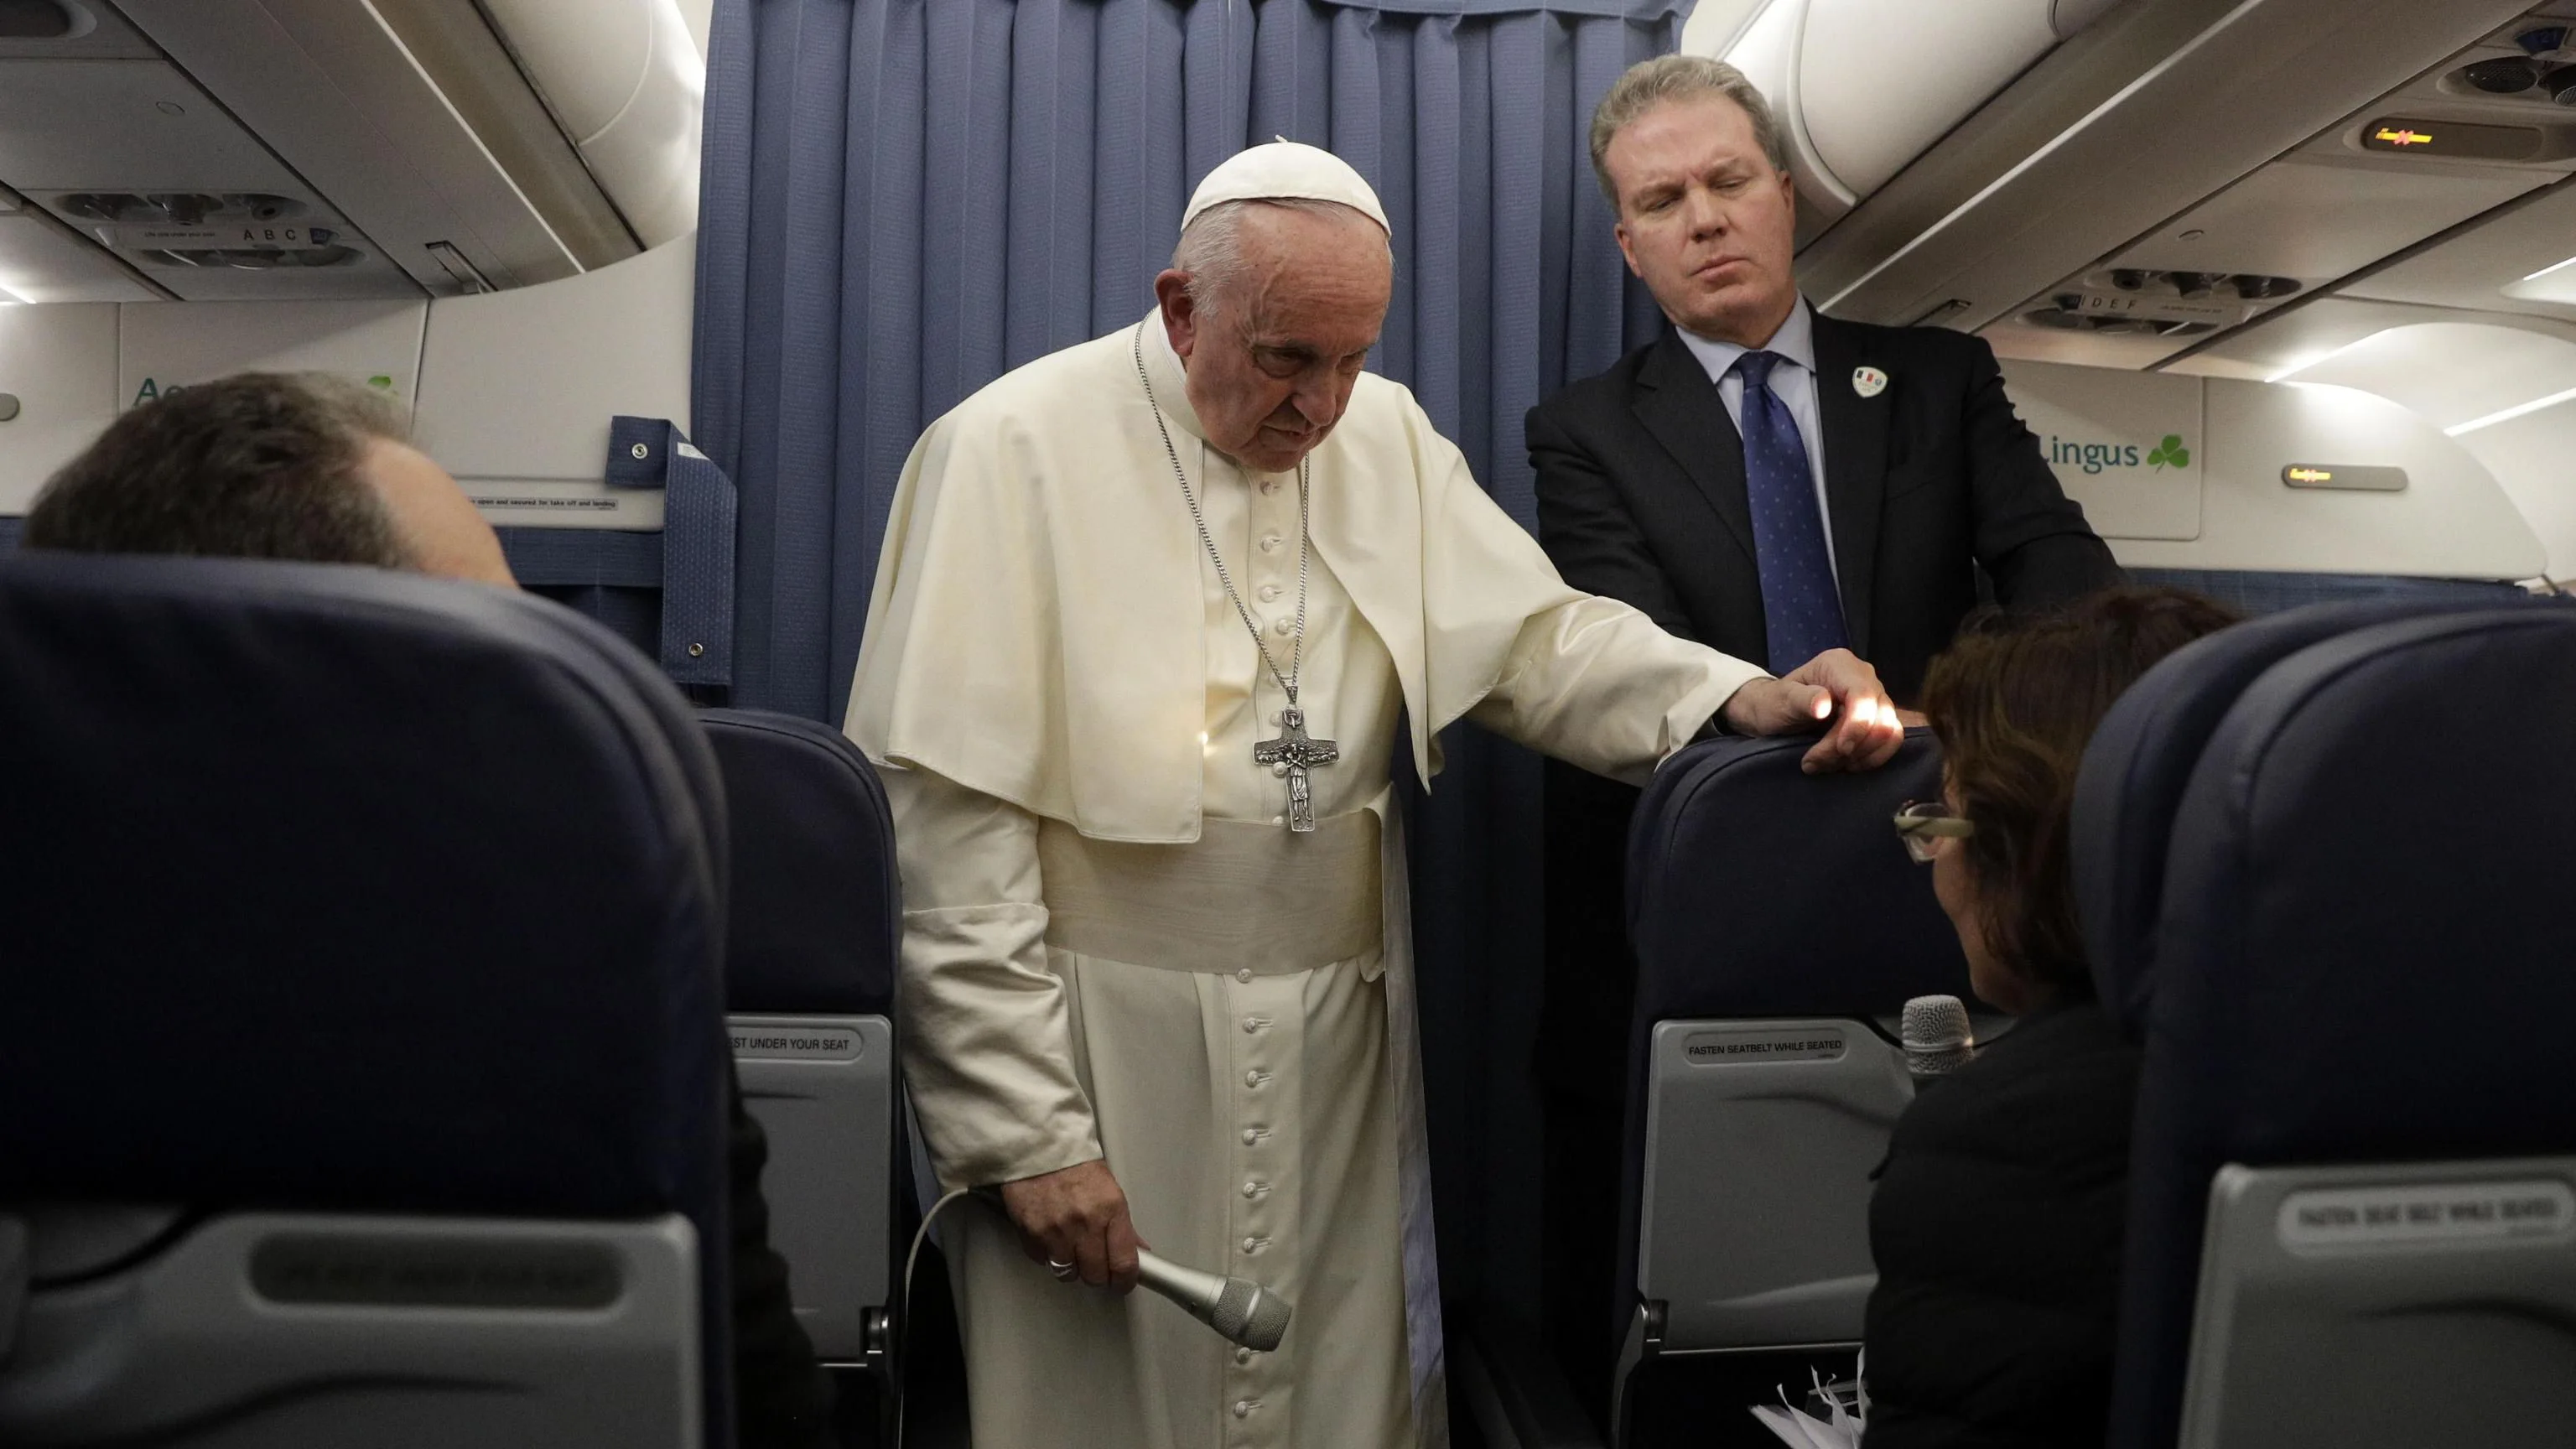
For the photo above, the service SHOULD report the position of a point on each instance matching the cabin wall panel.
(59, 361)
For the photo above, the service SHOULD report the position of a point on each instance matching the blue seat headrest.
(817, 907)
(334, 888)
(2140, 759)
(1755, 889)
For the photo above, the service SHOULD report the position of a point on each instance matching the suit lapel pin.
(1868, 381)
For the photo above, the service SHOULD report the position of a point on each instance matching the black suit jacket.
(1641, 496)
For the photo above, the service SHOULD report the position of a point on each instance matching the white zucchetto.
(1285, 170)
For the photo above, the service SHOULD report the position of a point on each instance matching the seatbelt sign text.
(1762, 1046)
(2363, 1219)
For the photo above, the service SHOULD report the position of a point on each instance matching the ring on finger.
(1063, 1271)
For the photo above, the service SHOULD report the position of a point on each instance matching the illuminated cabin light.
(2551, 269)
(2509, 414)
(2322, 358)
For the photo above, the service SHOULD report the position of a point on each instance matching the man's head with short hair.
(265, 465)
(1693, 163)
(1273, 307)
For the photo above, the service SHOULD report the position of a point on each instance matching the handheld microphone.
(1240, 1310)
(1936, 1037)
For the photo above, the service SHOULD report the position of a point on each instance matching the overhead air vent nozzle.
(37, 20)
(2111, 324)
(2508, 76)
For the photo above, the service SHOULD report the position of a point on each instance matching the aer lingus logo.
(2171, 453)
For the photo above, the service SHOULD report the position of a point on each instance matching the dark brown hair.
(2014, 700)
(257, 465)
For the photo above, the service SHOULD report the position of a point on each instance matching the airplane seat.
(2258, 592)
(362, 1076)
(2133, 776)
(815, 933)
(1779, 929)
(2352, 1214)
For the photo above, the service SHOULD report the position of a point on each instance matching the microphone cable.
(903, 1308)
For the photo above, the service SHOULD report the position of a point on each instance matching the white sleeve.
(988, 1047)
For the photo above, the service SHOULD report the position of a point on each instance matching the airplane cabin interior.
(385, 962)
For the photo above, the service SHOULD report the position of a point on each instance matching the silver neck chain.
(1297, 650)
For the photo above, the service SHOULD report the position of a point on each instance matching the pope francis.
(1151, 613)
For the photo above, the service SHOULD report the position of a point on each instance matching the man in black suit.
(1771, 483)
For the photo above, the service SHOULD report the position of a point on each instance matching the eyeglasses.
(1925, 824)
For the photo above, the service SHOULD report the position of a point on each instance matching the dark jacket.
(782, 1397)
(1641, 496)
(1996, 1229)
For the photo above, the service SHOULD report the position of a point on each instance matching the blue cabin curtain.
(904, 199)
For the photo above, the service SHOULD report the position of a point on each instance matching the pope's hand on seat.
(1836, 692)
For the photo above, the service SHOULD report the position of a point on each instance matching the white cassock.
(1112, 944)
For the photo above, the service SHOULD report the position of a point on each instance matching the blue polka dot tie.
(1801, 613)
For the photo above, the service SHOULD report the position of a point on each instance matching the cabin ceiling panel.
(2287, 341)
(41, 261)
(2211, 106)
(2316, 222)
(2015, 337)
(2473, 269)
(129, 125)
(2452, 373)
(330, 86)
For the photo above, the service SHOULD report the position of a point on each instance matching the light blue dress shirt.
(1793, 382)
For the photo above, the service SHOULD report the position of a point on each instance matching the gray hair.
(1650, 83)
(1211, 246)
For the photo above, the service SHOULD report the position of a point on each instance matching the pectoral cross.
(1292, 755)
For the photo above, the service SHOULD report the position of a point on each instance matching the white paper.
(1796, 1429)
(1802, 1430)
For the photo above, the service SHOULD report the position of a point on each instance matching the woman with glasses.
(1996, 1223)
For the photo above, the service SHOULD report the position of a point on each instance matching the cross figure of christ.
(1293, 754)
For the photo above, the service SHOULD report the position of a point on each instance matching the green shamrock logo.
(2170, 451)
